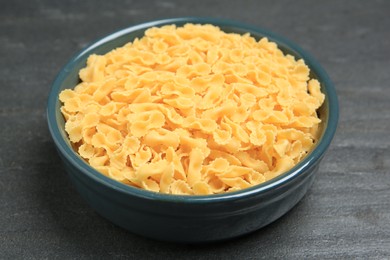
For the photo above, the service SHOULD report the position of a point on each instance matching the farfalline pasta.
(193, 110)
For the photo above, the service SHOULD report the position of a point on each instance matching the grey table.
(346, 214)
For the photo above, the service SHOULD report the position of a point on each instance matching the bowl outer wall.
(190, 223)
(148, 202)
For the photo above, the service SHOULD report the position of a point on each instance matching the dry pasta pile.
(193, 110)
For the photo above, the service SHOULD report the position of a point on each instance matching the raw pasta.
(193, 110)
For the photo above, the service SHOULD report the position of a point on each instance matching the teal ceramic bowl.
(189, 219)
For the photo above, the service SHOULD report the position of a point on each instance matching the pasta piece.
(252, 163)
(161, 137)
(167, 178)
(94, 70)
(150, 185)
(195, 165)
(236, 183)
(180, 187)
(201, 188)
(86, 151)
(145, 121)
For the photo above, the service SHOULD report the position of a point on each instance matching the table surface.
(346, 213)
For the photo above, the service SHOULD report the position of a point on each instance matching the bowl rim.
(310, 159)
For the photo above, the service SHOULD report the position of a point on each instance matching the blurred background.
(346, 214)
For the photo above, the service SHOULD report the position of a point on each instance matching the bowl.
(189, 219)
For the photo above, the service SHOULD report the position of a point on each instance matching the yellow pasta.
(193, 110)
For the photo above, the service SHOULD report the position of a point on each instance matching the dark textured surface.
(346, 214)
